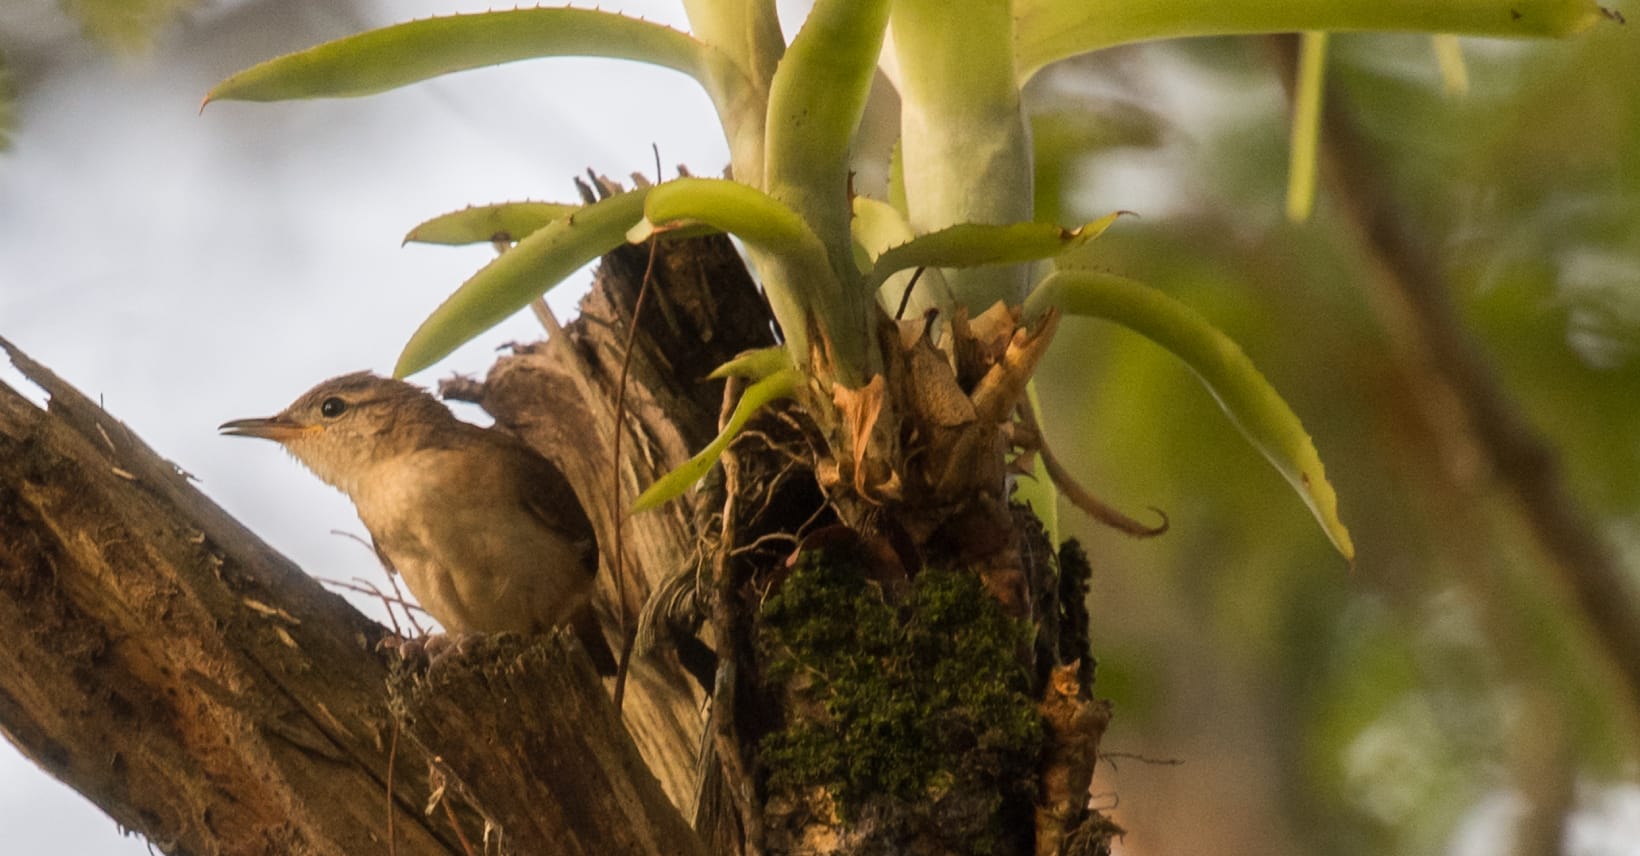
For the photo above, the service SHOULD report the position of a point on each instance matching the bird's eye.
(332, 407)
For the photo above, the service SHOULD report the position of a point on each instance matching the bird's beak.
(277, 428)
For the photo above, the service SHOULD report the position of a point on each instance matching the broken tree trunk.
(206, 693)
(905, 666)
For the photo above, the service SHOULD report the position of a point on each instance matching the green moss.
(925, 702)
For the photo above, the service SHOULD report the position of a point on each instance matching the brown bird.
(487, 534)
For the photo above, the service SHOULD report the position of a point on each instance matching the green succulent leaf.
(975, 244)
(402, 54)
(816, 99)
(479, 224)
(728, 206)
(965, 145)
(1252, 403)
(797, 277)
(1051, 30)
(879, 227)
(747, 32)
(755, 365)
(781, 384)
(519, 275)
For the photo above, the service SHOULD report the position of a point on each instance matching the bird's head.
(347, 425)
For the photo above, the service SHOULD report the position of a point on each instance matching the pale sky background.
(189, 269)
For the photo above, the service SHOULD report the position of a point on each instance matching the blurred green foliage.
(119, 26)
(124, 26)
(1365, 712)
(8, 105)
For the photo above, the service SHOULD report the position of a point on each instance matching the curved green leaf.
(781, 384)
(746, 44)
(755, 365)
(879, 227)
(816, 99)
(975, 244)
(1051, 30)
(966, 151)
(1251, 402)
(747, 32)
(729, 206)
(797, 278)
(479, 224)
(519, 275)
(399, 55)
(817, 95)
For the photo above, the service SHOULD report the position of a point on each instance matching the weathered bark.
(701, 309)
(206, 693)
(562, 750)
(174, 669)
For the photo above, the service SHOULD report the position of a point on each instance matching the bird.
(487, 533)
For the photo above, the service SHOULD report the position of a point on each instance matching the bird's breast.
(458, 531)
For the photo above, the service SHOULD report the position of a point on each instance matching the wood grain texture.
(528, 731)
(205, 692)
(560, 396)
(171, 667)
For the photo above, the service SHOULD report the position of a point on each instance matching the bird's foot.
(430, 647)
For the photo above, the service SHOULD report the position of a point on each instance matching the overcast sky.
(187, 269)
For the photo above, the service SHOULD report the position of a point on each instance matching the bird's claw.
(430, 647)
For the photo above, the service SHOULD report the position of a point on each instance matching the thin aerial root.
(1095, 507)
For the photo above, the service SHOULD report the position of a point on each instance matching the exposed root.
(1093, 506)
(1078, 495)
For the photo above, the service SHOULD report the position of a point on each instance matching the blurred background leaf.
(124, 26)
(8, 105)
(1445, 697)
(39, 28)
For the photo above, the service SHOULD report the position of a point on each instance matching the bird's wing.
(548, 496)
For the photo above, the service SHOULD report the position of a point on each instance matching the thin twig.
(905, 296)
(771, 485)
(366, 587)
(450, 813)
(773, 445)
(398, 597)
(732, 635)
(1111, 758)
(629, 635)
(392, 755)
(765, 538)
(549, 321)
